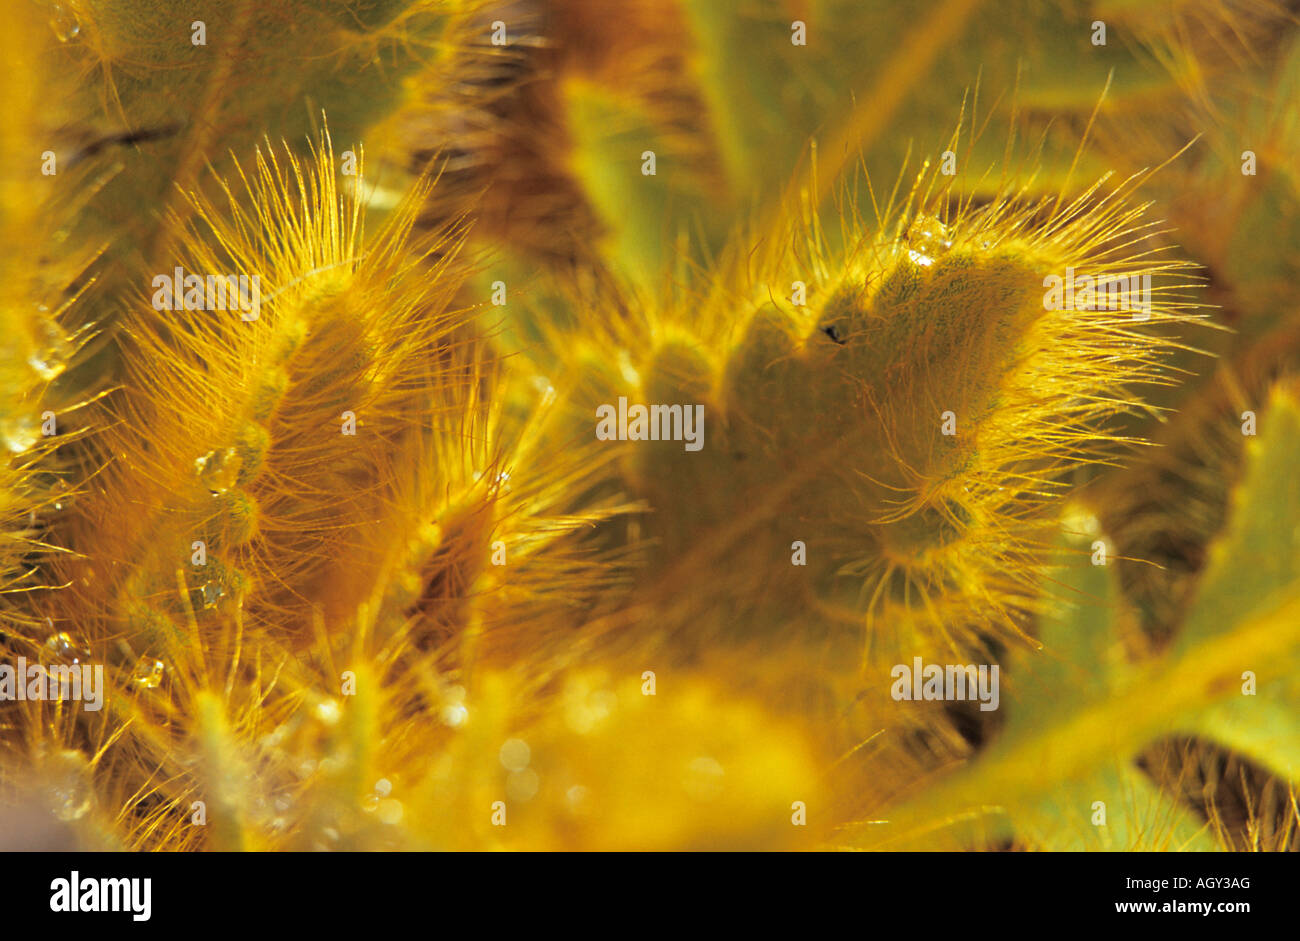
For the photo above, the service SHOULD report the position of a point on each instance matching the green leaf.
(1083, 661)
(1255, 565)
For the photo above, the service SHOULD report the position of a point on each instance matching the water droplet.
(213, 592)
(69, 787)
(514, 755)
(60, 495)
(389, 812)
(19, 432)
(64, 22)
(522, 785)
(148, 673)
(218, 470)
(328, 711)
(927, 239)
(585, 712)
(628, 371)
(545, 390)
(378, 799)
(63, 647)
(53, 351)
(453, 711)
